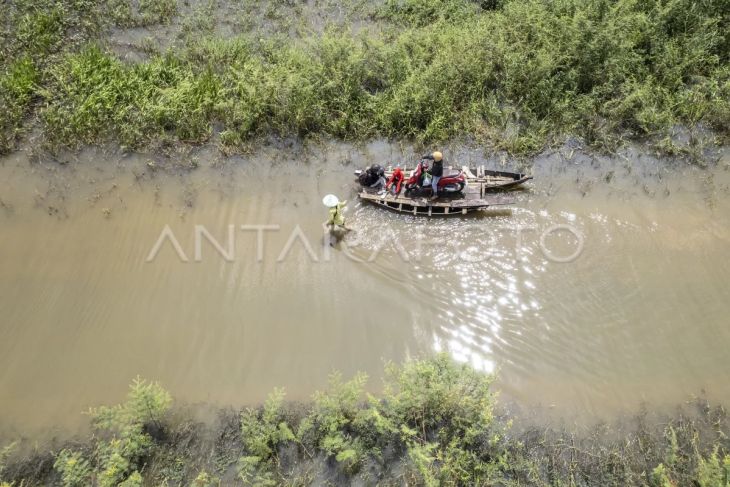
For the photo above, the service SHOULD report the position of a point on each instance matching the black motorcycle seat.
(451, 173)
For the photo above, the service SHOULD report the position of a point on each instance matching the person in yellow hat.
(437, 170)
(336, 221)
(336, 207)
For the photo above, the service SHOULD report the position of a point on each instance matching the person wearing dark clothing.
(437, 170)
(373, 177)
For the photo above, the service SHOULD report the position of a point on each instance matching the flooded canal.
(605, 285)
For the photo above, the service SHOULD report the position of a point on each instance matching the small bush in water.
(263, 432)
(124, 439)
(75, 470)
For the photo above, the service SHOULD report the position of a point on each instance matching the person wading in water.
(336, 220)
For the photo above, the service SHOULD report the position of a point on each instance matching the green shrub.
(134, 480)
(75, 470)
(433, 425)
(439, 396)
(126, 424)
(437, 412)
(423, 462)
(331, 424)
(263, 432)
(659, 477)
(5, 452)
(714, 470)
(204, 479)
(445, 415)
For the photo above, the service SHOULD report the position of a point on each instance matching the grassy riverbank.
(435, 424)
(510, 74)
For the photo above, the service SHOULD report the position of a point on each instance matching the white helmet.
(330, 201)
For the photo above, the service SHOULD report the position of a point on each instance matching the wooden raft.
(472, 200)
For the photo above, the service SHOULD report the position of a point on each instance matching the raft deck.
(494, 179)
(471, 200)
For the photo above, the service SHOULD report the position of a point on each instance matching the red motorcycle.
(452, 181)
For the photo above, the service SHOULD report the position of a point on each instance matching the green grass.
(94, 96)
(513, 75)
(16, 88)
(34, 35)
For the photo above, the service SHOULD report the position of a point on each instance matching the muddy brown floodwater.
(641, 314)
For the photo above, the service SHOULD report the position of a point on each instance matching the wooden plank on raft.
(474, 199)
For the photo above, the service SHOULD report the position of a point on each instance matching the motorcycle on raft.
(452, 181)
(419, 181)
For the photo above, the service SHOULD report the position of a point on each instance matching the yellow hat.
(437, 156)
